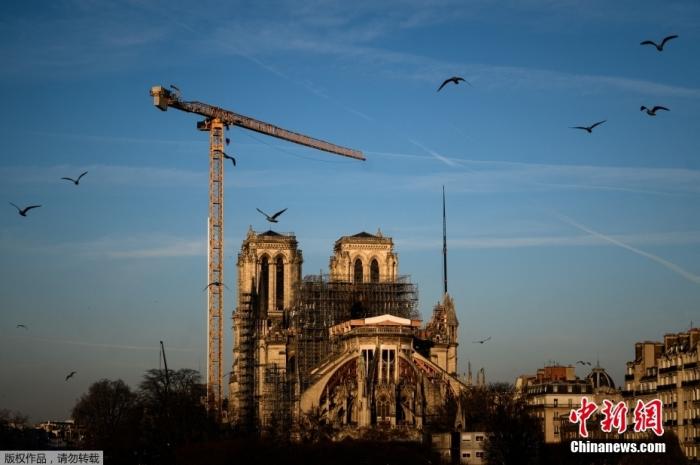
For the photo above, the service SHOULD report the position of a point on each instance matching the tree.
(477, 404)
(314, 428)
(108, 417)
(173, 411)
(514, 435)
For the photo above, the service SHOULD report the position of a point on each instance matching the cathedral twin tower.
(348, 345)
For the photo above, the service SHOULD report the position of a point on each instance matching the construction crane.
(216, 121)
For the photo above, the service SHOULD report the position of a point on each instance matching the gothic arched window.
(374, 271)
(279, 283)
(264, 283)
(358, 271)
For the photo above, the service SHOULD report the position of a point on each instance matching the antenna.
(444, 241)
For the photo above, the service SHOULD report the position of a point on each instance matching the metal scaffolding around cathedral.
(348, 345)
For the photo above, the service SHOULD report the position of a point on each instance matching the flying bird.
(652, 111)
(228, 141)
(583, 363)
(227, 157)
(273, 218)
(589, 128)
(482, 340)
(659, 47)
(76, 181)
(454, 79)
(215, 283)
(23, 326)
(70, 375)
(23, 211)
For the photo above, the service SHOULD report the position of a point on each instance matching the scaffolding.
(276, 402)
(322, 303)
(244, 356)
(266, 393)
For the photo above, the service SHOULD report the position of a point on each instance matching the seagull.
(482, 341)
(660, 47)
(652, 111)
(273, 218)
(23, 211)
(583, 363)
(23, 326)
(76, 181)
(70, 375)
(215, 283)
(227, 157)
(454, 79)
(589, 128)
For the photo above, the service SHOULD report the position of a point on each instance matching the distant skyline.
(563, 245)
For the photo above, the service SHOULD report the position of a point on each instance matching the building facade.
(347, 346)
(669, 371)
(555, 390)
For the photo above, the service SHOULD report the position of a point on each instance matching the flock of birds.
(651, 111)
(23, 212)
(589, 129)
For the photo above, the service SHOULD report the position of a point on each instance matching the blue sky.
(563, 245)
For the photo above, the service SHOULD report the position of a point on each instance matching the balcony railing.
(665, 387)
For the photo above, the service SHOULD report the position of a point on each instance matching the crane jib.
(163, 98)
(229, 117)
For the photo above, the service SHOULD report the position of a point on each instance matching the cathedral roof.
(364, 237)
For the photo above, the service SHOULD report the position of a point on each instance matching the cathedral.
(346, 346)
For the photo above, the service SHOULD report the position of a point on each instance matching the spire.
(444, 242)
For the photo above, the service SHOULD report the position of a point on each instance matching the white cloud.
(130, 175)
(355, 41)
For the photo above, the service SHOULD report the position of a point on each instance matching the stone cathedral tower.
(364, 258)
(269, 271)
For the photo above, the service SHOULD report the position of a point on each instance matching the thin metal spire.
(444, 241)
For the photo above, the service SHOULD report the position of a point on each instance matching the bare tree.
(108, 416)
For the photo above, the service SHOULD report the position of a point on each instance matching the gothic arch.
(279, 282)
(358, 271)
(374, 270)
(264, 292)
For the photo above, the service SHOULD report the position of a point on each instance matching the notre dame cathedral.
(347, 346)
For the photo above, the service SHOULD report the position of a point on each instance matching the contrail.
(445, 160)
(671, 266)
(308, 86)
